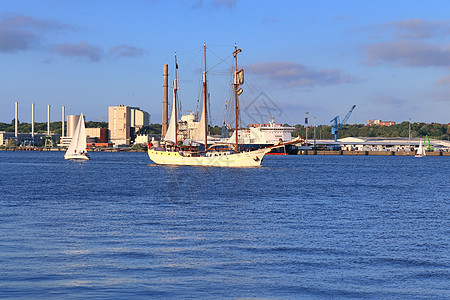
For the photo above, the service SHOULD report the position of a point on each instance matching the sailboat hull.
(242, 159)
(76, 157)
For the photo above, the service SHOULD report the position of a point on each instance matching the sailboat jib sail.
(78, 148)
(421, 150)
(172, 129)
(200, 133)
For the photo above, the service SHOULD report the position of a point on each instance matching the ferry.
(258, 136)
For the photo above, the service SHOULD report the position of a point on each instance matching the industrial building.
(21, 138)
(123, 122)
(97, 137)
(188, 126)
(139, 118)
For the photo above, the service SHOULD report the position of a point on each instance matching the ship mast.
(175, 89)
(236, 98)
(205, 99)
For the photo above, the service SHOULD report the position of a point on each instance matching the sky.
(389, 58)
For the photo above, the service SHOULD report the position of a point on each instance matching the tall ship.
(229, 154)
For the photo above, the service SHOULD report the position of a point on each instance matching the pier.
(372, 153)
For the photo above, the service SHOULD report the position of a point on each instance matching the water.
(321, 227)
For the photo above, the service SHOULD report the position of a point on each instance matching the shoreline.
(300, 152)
(368, 153)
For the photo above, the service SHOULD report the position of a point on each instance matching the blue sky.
(390, 58)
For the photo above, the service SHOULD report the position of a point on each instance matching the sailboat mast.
(175, 104)
(236, 98)
(205, 100)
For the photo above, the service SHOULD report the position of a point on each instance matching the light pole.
(314, 132)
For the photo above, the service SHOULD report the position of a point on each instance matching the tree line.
(420, 130)
(433, 130)
(55, 127)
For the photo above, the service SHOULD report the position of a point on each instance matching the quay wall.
(373, 153)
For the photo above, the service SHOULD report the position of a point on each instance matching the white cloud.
(409, 53)
(290, 74)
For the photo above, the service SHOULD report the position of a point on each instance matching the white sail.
(199, 132)
(421, 150)
(77, 147)
(172, 129)
(171, 134)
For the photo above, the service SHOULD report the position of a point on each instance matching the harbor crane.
(338, 125)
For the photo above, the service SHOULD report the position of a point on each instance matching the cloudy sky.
(390, 58)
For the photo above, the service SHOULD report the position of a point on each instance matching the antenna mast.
(175, 89)
(236, 97)
(205, 99)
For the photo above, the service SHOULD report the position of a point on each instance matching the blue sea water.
(319, 227)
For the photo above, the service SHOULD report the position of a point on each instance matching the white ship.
(258, 136)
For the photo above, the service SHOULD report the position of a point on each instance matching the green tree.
(92, 124)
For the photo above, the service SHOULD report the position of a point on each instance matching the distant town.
(130, 127)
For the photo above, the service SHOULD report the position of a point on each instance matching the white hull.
(216, 159)
(76, 156)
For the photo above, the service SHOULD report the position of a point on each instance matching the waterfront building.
(138, 118)
(100, 135)
(143, 139)
(188, 127)
(97, 137)
(389, 144)
(119, 125)
(380, 123)
(21, 138)
(24, 139)
(123, 122)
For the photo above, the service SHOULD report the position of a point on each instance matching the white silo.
(72, 121)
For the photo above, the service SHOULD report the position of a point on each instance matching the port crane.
(338, 125)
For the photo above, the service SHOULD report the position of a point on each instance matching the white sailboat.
(174, 155)
(421, 150)
(77, 147)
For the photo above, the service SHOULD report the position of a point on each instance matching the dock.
(372, 153)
